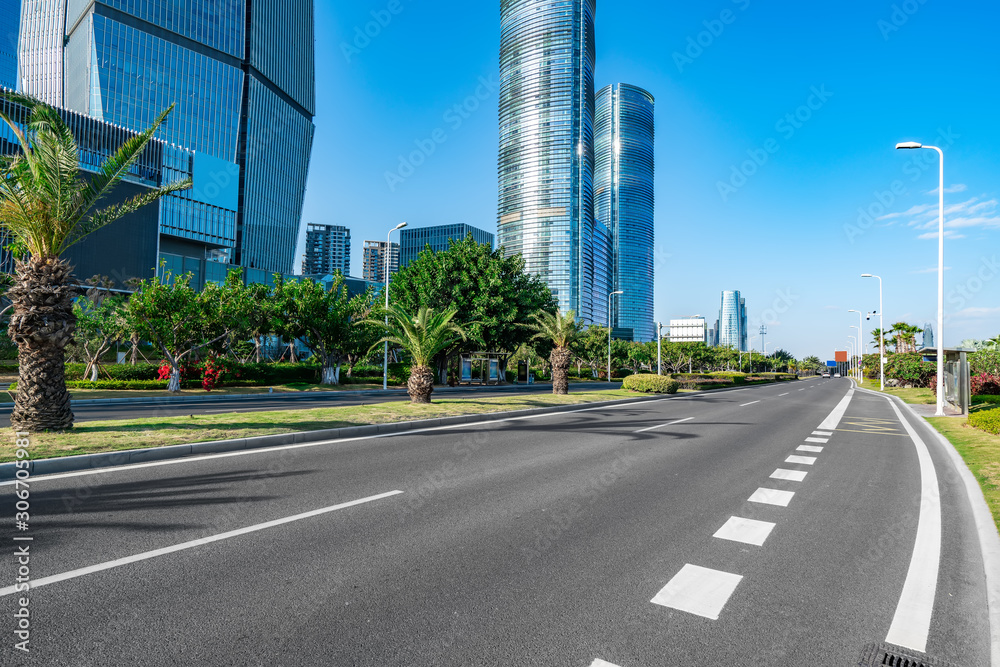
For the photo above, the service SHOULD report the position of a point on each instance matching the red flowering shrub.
(985, 384)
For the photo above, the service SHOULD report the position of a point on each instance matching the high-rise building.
(10, 30)
(328, 249)
(374, 259)
(732, 327)
(928, 336)
(241, 74)
(414, 240)
(689, 330)
(545, 164)
(624, 201)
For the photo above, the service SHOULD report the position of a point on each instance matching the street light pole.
(750, 354)
(609, 330)
(659, 348)
(852, 350)
(940, 331)
(861, 340)
(881, 330)
(385, 356)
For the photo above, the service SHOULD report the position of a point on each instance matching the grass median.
(94, 437)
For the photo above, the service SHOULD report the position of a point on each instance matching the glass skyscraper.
(414, 240)
(624, 203)
(732, 327)
(545, 164)
(241, 73)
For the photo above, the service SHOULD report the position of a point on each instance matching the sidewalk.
(929, 410)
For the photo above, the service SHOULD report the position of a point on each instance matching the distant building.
(10, 29)
(689, 330)
(373, 261)
(712, 339)
(328, 249)
(732, 328)
(414, 240)
(928, 335)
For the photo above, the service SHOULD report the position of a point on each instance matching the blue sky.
(776, 122)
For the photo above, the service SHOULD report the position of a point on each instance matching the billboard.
(831, 364)
(840, 356)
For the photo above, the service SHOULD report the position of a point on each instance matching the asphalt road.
(287, 401)
(535, 541)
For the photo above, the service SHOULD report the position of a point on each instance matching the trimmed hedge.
(112, 384)
(986, 420)
(986, 399)
(651, 384)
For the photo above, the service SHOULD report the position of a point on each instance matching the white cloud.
(976, 313)
(975, 212)
(948, 234)
(958, 187)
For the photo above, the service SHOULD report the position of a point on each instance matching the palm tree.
(423, 337)
(46, 207)
(562, 331)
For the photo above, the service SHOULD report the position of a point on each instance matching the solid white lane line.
(808, 448)
(822, 441)
(679, 421)
(747, 531)
(699, 591)
(833, 420)
(750, 403)
(912, 621)
(771, 497)
(790, 475)
(826, 434)
(804, 460)
(73, 574)
(601, 663)
(785, 394)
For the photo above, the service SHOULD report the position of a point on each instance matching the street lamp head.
(908, 144)
(867, 275)
(619, 292)
(853, 311)
(399, 226)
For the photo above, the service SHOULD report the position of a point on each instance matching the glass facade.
(10, 29)
(242, 76)
(328, 249)
(414, 240)
(624, 201)
(545, 164)
(731, 330)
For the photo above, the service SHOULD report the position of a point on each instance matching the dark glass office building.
(545, 165)
(241, 73)
(328, 249)
(414, 240)
(624, 202)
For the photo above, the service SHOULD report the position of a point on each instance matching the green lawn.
(108, 436)
(921, 396)
(981, 452)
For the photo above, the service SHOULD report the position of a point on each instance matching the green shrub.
(651, 384)
(995, 400)
(985, 361)
(986, 420)
(116, 384)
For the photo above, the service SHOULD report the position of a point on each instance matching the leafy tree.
(562, 331)
(46, 207)
(593, 346)
(362, 335)
(100, 322)
(423, 337)
(811, 363)
(324, 318)
(491, 294)
(176, 319)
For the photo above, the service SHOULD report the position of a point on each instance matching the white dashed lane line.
(750, 403)
(790, 475)
(804, 460)
(785, 394)
(822, 441)
(809, 448)
(825, 434)
(699, 591)
(602, 663)
(771, 497)
(651, 428)
(747, 531)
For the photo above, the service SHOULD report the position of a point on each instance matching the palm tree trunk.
(42, 326)
(560, 359)
(421, 384)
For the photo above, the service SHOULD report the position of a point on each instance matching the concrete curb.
(989, 538)
(113, 459)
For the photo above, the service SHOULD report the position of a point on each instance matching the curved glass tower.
(545, 164)
(624, 202)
